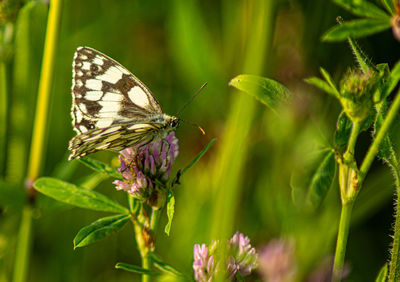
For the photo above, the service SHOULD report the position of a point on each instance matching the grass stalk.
(39, 132)
(45, 84)
(3, 115)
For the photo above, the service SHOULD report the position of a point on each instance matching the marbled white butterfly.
(111, 108)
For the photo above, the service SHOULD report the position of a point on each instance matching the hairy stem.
(373, 149)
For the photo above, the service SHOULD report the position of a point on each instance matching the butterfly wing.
(104, 93)
(116, 138)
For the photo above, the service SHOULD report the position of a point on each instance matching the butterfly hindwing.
(105, 93)
(116, 138)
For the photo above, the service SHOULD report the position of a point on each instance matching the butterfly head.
(173, 122)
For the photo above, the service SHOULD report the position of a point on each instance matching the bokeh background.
(253, 179)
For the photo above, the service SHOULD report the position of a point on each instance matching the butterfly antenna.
(195, 125)
(188, 102)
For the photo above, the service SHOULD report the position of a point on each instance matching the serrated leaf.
(382, 275)
(322, 180)
(355, 29)
(100, 229)
(164, 266)
(321, 84)
(170, 211)
(100, 167)
(77, 196)
(363, 8)
(135, 269)
(269, 92)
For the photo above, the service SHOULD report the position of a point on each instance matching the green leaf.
(389, 5)
(100, 167)
(363, 9)
(322, 180)
(382, 275)
(355, 29)
(197, 158)
(386, 148)
(393, 79)
(170, 210)
(77, 196)
(267, 91)
(343, 128)
(135, 269)
(364, 62)
(164, 266)
(321, 84)
(342, 133)
(100, 229)
(329, 79)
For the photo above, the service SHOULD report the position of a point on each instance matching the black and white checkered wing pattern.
(104, 93)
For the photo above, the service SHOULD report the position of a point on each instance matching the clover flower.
(241, 258)
(144, 168)
(276, 261)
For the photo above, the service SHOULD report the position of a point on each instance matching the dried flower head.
(145, 169)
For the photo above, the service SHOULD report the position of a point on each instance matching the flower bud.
(356, 93)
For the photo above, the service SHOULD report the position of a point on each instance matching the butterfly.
(111, 108)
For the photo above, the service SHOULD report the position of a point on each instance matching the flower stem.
(353, 138)
(23, 246)
(343, 233)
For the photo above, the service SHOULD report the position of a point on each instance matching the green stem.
(3, 115)
(23, 246)
(353, 138)
(45, 84)
(373, 149)
(343, 233)
(394, 271)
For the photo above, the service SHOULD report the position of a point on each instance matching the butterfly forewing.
(111, 108)
(105, 93)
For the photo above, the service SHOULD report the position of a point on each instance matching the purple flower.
(241, 257)
(144, 166)
(203, 264)
(277, 261)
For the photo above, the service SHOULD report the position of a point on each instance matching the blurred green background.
(254, 177)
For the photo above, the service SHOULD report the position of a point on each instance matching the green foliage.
(11, 195)
(100, 167)
(135, 269)
(165, 267)
(322, 180)
(100, 229)
(382, 275)
(170, 211)
(355, 29)
(265, 90)
(363, 9)
(73, 195)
